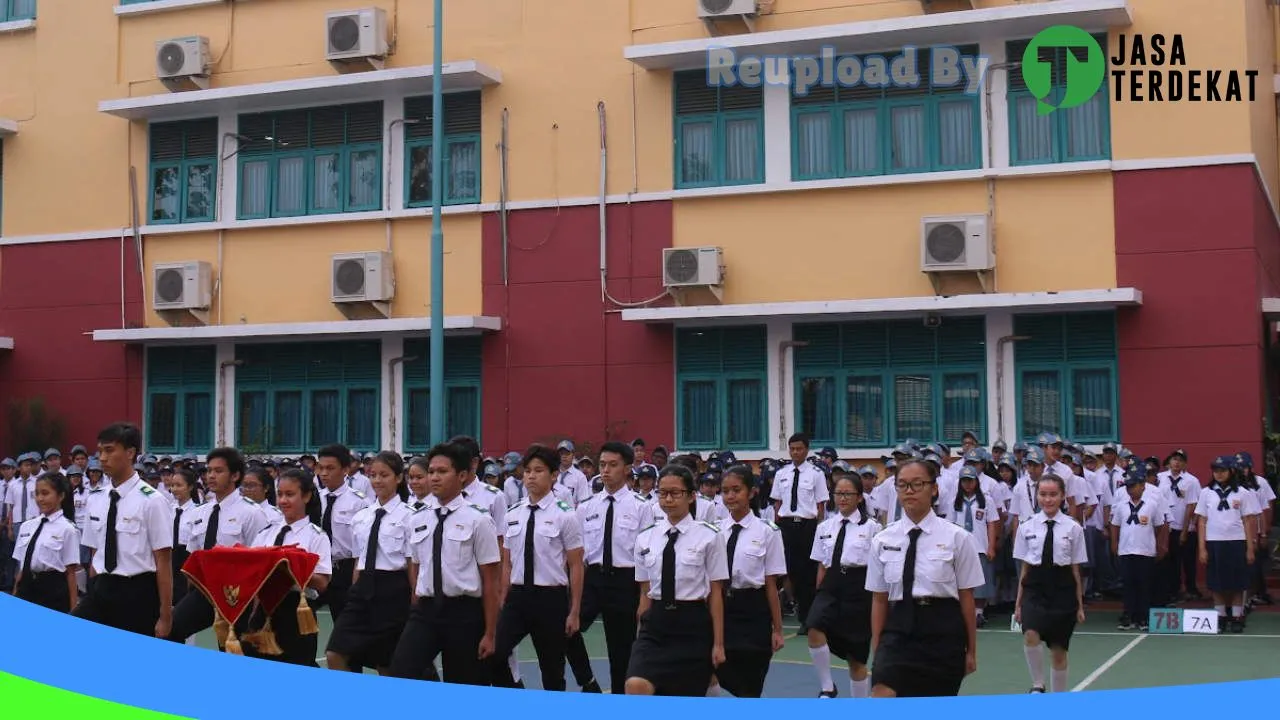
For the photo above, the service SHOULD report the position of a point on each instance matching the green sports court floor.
(1102, 658)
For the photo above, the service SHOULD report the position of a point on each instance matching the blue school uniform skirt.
(1227, 570)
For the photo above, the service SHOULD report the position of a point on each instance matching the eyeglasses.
(672, 493)
(915, 487)
(846, 494)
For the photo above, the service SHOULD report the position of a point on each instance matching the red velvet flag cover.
(233, 578)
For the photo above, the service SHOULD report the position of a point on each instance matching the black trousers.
(614, 598)
(125, 603)
(47, 589)
(335, 595)
(1189, 559)
(191, 615)
(181, 586)
(453, 630)
(797, 541)
(539, 612)
(1138, 573)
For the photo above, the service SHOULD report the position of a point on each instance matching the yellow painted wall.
(1259, 19)
(865, 242)
(282, 274)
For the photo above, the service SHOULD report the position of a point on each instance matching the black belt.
(743, 592)
(599, 567)
(845, 569)
(933, 601)
(678, 604)
(798, 519)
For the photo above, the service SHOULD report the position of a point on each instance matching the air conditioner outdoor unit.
(357, 35)
(693, 268)
(708, 9)
(956, 243)
(182, 286)
(183, 63)
(367, 277)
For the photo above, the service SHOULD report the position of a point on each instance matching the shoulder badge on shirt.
(563, 505)
(248, 500)
(652, 526)
(95, 491)
(640, 497)
(708, 525)
(358, 494)
(483, 510)
(772, 526)
(421, 509)
(490, 488)
(317, 528)
(146, 489)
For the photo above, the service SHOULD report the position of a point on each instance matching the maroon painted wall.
(1202, 246)
(565, 364)
(52, 296)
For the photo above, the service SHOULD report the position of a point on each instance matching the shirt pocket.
(515, 529)
(939, 568)
(626, 521)
(344, 517)
(691, 562)
(391, 538)
(458, 542)
(858, 552)
(131, 525)
(893, 564)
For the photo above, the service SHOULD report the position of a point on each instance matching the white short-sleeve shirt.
(812, 495)
(556, 531)
(394, 549)
(1068, 540)
(1225, 523)
(57, 548)
(468, 542)
(856, 551)
(1138, 538)
(946, 560)
(629, 513)
(305, 535)
(758, 553)
(144, 525)
(700, 558)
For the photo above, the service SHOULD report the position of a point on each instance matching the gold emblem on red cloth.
(232, 594)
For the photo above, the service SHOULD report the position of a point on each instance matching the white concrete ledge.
(459, 324)
(8, 127)
(156, 6)
(6, 343)
(14, 26)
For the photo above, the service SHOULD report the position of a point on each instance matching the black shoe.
(520, 684)
(1194, 595)
(592, 687)
(1142, 627)
(1124, 623)
(1237, 627)
(802, 631)
(1264, 600)
(1035, 689)
(833, 692)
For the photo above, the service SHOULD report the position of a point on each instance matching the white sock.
(860, 688)
(1222, 610)
(513, 662)
(1035, 664)
(714, 690)
(822, 665)
(1059, 679)
(1237, 612)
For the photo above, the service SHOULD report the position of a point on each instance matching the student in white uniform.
(48, 548)
(1265, 496)
(799, 497)
(419, 486)
(978, 512)
(610, 523)
(571, 477)
(378, 602)
(1226, 516)
(513, 485)
(259, 487)
(1051, 546)
(182, 486)
(131, 533)
(21, 498)
(542, 564)
(927, 642)
(841, 612)
(227, 520)
(681, 568)
(756, 562)
(457, 562)
(293, 493)
(1135, 539)
(339, 505)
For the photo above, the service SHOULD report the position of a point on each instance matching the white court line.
(1111, 661)
(1129, 634)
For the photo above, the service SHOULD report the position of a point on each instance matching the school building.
(215, 221)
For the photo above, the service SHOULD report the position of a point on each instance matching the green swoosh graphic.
(45, 701)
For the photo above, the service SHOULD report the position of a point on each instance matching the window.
(311, 162)
(1067, 376)
(1075, 134)
(719, 133)
(866, 130)
(180, 392)
(461, 160)
(184, 165)
(721, 391)
(11, 10)
(299, 396)
(461, 390)
(876, 384)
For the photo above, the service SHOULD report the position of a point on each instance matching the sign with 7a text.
(1174, 621)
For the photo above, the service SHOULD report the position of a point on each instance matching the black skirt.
(1049, 606)
(47, 589)
(842, 611)
(298, 649)
(748, 642)
(924, 655)
(1228, 569)
(370, 625)
(673, 649)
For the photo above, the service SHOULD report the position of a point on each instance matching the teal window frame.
(836, 103)
(865, 353)
(1059, 123)
(186, 159)
(462, 128)
(272, 373)
(273, 151)
(728, 105)
(15, 10)
(462, 373)
(184, 374)
(1069, 346)
(736, 354)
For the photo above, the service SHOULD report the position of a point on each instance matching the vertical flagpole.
(437, 231)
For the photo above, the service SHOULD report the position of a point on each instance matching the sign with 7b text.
(1173, 621)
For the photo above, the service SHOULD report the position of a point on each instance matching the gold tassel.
(221, 629)
(265, 640)
(306, 619)
(233, 643)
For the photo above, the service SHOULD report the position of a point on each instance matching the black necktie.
(837, 553)
(109, 560)
(280, 536)
(1046, 555)
(1133, 512)
(177, 522)
(669, 568)
(730, 547)
(1223, 494)
(529, 527)
(909, 576)
(371, 553)
(211, 530)
(608, 534)
(418, 505)
(27, 572)
(437, 565)
(326, 522)
(1173, 482)
(795, 492)
(693, 509)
